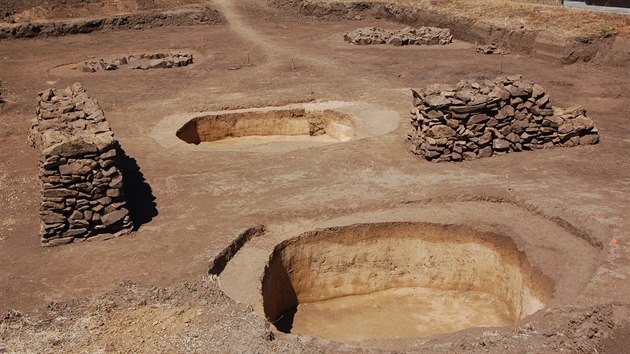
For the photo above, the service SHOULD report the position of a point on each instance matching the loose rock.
(142, 61)
(480, 119)
(405, 36)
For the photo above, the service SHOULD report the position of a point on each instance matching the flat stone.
(113, 193)
(465, 95)
(104, 201)
(58, 241)
(437, 101)
(500, 144)
(59, 193)
(52, 206)
(469, 155)
(111, 171)
(76, 215)
(440, 131)
(478, 118)
(582, 123)
(537, 91)
(565, 128)
(117, 182)
(575, 111)
(555, 121)
(467, 109)
(542, 111)
(158, 63)
(101, 237)
(75, 147)
(451, 123)
(434, 114)
(50, 217)
(485, 152)
(505, 112)
(109, 154)
(114, 217)
(543, 101)
(485, 139)
(430, 154)
(589, 139)
(520, 91)
(492, 122)
(572, 141)
(75, 232)
(513, 138)
(112, 207)
(104, 142)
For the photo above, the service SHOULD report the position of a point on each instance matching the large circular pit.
(385, 281)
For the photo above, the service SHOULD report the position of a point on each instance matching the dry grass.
(505, 13)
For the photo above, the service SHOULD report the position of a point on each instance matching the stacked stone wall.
(142, 61)
(480, 119)
(79, 159)
(405, 36)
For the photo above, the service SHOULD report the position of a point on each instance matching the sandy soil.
(199, 201)
(37, 10)
(561, 21)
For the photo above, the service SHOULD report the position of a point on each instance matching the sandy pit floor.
(566, 208)
(399, 313)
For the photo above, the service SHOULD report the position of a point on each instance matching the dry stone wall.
(480, 119)
(405, 36)
(142, 61)
(488, 49)
(82, 184)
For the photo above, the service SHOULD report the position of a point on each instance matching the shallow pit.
(259, 127)
(398, 280)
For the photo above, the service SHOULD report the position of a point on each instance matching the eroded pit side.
(365, 258)
(266, 123)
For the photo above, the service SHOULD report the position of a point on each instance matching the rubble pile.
(141, 61)
(405, 36)
(480, 119)
(489, 49)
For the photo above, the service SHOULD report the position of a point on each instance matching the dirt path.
(278, 53)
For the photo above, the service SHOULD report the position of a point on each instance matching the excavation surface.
(200, 198)
(379, 276)
(399, 313)
(385, 281)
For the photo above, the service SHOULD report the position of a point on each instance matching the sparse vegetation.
(190, 287)
(505, 13)
(52, 306)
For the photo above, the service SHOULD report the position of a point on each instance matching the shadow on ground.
(138, 193)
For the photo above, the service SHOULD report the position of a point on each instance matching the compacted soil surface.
(150, 291)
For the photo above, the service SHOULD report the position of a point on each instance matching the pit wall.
(605, 49)
(366, 258)
(183, 17)
(278, 122)
(541, 2)
(480, 119)
(82, 184)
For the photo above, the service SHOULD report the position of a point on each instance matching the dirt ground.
(150, 291)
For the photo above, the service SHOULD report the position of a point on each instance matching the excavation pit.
(398, 280)
(266, 126)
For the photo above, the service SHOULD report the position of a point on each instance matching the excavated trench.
(257, 127)
(398, 280)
